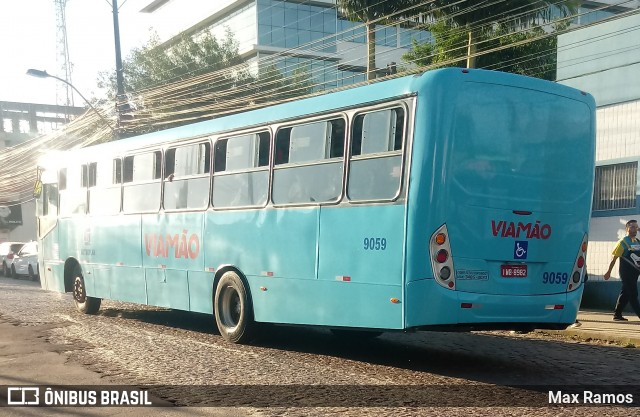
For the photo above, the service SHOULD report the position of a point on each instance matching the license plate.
(513, 271)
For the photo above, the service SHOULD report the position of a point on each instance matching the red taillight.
(442, 256)
(580, 262)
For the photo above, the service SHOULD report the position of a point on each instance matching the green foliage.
(155, 64)
(195, 78)
(528, 52)
(504, 35)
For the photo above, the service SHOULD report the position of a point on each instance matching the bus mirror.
(37, 189)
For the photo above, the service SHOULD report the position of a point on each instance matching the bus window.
(73, 194)
(49, 200)
(117, 171)
(186, 170)
(375, 169)
(309, 163)
(241, 176)
(62, 179)
(104, 190)
(141, 178)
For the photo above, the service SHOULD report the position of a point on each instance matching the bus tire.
(232, 309)
(84, 304)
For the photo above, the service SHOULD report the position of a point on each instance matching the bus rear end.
(505, 189)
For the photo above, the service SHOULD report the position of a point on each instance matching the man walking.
(628, 250)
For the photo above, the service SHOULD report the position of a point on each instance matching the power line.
(17, 166)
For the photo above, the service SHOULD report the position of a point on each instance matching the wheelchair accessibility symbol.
(520, 249)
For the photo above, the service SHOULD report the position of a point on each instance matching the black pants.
(628, 294)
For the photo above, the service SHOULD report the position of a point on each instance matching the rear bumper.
(434, 307)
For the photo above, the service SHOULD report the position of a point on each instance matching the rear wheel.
(13, 272)
(5, 270)
(84, 304)
(232, 309)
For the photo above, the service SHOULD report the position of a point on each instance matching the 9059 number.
(555, 278)
(375, 243)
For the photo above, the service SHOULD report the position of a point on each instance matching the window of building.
(309, 162)
(186, 172)
(375, 170)
(615, 186)
(141, 175)
(241, 177)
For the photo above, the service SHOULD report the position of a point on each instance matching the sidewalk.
(600, 325)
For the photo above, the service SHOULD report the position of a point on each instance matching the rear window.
(514, 142)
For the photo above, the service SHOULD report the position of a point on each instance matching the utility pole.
(121, 100)
(62, 55)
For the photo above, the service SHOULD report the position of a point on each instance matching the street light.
(45, 74)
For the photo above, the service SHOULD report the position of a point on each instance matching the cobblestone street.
(181, 354)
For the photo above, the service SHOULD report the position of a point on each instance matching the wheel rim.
(230, 307)
(79, 293)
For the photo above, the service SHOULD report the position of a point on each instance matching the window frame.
(114, 182)
(327, 117)
(134, 183)
(268, 129)
(402, 152)
(633, 189)
(165, 177)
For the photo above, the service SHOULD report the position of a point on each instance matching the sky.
(28, 34)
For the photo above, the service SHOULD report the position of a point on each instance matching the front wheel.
(232, 309)
(84, 304)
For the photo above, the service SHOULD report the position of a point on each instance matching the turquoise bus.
(455, 199)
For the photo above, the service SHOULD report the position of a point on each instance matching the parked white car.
(25, 262)
(7, 252)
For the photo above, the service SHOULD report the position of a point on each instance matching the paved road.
(189, 364)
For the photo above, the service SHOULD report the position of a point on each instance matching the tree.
(156, 64)
(195, 77)
(371, 12)
(527, 52)
(478, 18)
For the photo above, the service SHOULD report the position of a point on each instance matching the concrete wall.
(604, 60)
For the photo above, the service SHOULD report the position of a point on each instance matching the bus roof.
(375, 92)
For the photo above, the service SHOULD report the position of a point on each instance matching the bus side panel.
(354, 245)
(326, 303)
(102, 280)
(173, 241)
(104, 240)
(128, 284)
(167, 288)
(200, 291)
(279, 242)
